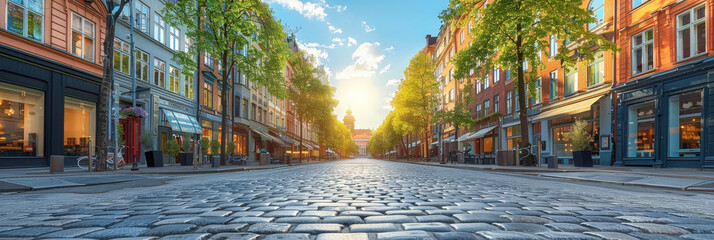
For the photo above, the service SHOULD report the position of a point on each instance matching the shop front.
(46, 109)
(178, 126)
(663, 119)
(240, 138)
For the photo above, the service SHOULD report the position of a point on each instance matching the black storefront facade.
(667, 119)
(46, 109)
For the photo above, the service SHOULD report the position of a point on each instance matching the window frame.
(81, 31)
(25, 19)
(553, 47)
(140, 63)
(122, 56)
(599, 62)
(174, 79)
(553, 77)
(572, 74)
(159, 72)
(691, 26)
(174, 38)
(159, 33)
(645, 54)
(599, 22)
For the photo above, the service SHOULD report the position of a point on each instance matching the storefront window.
(22, 116)
(561, 146)
(488, 145)
(513, 136)
(640, 130)
(79, 126)
(685, 124)
(207, 129)
(241, 144)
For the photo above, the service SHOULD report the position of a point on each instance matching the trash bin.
(56, 163)
(264, 158)
(506, 158)
(552, 161)
(216, 161)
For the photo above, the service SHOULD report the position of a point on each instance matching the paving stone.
(444, 212)
(137, 221)
(484, 218)
(527, 219)
(247, 214)
(218, 228)
(264, 228)
(343, 220)
(216, 214)
(342, 236)
(610, 227)
(655, 228)
(404, 235)
(314, 228)
(169, 229)
(430, 227)
(649, 236)
(564, 219)
(456, 236)
(566, 236)
(611, 235)
(318, 214)
(406, 212)
(504, 235)
(524, 212)
(473, 227)
(202, 221)
(29, 232)
(236, 236)
(2, 229)
(252, 220)
(117, 232)
(281, 213)
(697, 228)
(373, 227)
(196, 236)
(92, 223)
(522, 227)
(567, 227)
(600, 219)
(298, 220)
(72, 232)
(697, 236)
(643, 219)
(168, 221)
(436, 218)
(360, 213)
(388, 219)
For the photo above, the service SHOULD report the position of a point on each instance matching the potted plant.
(205, 143)
(216, 159)
(153, 157)
(172, 148)
(186, 155)
(230, 148)
(581, 139)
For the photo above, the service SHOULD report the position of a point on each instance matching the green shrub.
(579, 136)
(215, 146)
(172, 147)
(146, 141)
(230, 148)
(204, 145)
(186, 143)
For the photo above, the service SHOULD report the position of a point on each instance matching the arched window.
(598, 7)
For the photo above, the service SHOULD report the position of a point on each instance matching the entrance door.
(164, 134)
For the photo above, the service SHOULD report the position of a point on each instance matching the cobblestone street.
(361, 199)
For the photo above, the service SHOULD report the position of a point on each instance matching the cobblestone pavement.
(355, 199)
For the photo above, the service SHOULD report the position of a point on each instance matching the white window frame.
(159, 28)
(84, 21)
(553, 49)
(123, 51)
(159, 71)
(599, 19)
(174, 38)
(25, 18)
(174, 79)
(496, 75)
(572, 74)
(692, 31)
(140, 64)
(142, 16)
(598, 62)
(645, 54)
(638, 4)
(486, 81)
(462, 36)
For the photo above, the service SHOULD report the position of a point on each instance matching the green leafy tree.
(241, 34)
(510, 34)
(172, 148)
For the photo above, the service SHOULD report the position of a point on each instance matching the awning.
(481, 133)
(267, 137)
(465, 136)
(577, 107)
(180, 122)
(449, 139)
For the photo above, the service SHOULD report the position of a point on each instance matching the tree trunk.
(523, 113)
(300, 147)
(104, 93)
(224, 109)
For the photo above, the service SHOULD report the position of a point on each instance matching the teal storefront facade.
(667, 119)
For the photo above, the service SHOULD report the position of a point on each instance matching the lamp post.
(132, 68)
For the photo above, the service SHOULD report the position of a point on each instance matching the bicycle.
(83, 161)
(237, 160)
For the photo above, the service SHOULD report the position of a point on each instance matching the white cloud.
(334, 30)
(389, 49)
(385, 70)
(366, 27)
(308, 9)
(367, 58)
(312, 49)
(393, 82)
(339, 41)
(351, 41)
(341, 8)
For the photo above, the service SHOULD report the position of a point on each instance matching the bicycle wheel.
(121, 163)
(83, 163)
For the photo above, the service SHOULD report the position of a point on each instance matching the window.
(509, 103)
(462, 37)
(685, 124)
(82, 37)
(208, 60)
(188, 86)
(495, 103)
(26, 18)
(174, 36)
(525, 65)
(451, 95)
(598, 8)
(486, 81)
(596, 71)
(691, 33)
(174, 79)
(636, 3)
(79, 126)
(142, 16)
(470, 27)
(518, 105)
(642, 52)
(570, 83)
(513, 137)
(553, 46)
(640, 130)
(537, 97)
(508, 74)
(496, 75)
(187, 44)
(220, 99)
(142, 65)
(208, 95)
(121, 56)
(486, 105)
(22, 121)
(159, 72)
(252, 112)
(478, 86)
(478, 111)
(554, 84)
(245, 108)
(562, 147)
(159, 28)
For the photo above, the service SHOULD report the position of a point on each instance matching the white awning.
(482, 132)
(577, 107)
(267, 137)
(465, 136)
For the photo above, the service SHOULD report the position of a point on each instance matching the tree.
(417, 95)
(386, 136)
(105, 89)
(311, 96)
(510, 34)
(242, 34)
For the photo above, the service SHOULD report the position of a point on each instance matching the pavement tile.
(522, 227)
(202, 221)
(566, 236)
(564, 219)
(298, 220)
(373, 227)
(643, 219)
(655, 228)
(316, 228)
(281, 213)
(236, 236)
(388, 219)
(611, 235)
(360, 213)
(252, 220)
(168, 221)
(406, 212)
(92, 223)
(484, 218)
(649, 236)
(474, 227)
(697, 236)
(456, 236)
(527, 219)
(697, 228)
(404, 235)
(342, 236)
(567, 227)
(287, 236)
(610, 227)
(192, 236)
(247, 214)
(265, 228)
(29, 232)
(72, 232)
(343, 220)
(430, 227)
(169, 229)
(504, 235)
(117, 232)
(218, 228)
(436, 218)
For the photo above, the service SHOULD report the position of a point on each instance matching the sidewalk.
(27, 179)
(673, 178)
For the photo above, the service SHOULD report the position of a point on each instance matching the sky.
(365, 45)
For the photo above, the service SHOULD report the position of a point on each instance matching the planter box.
(186, 159)
(216, 161)
(582, 159)
(153, 159)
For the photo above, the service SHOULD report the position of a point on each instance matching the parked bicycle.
(83, 161)
(237, 160)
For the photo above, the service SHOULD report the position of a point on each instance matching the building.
(167, 95)
(664, 84)
(360, 136)
(50, 74)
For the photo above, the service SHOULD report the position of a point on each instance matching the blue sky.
(364, 44)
